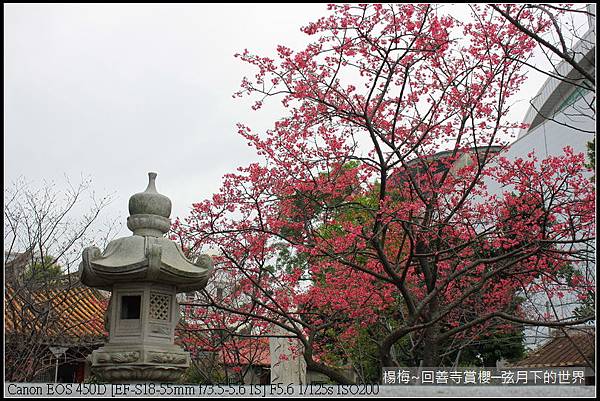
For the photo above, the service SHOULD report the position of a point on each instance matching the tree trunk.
(431, 350)
(332, 373)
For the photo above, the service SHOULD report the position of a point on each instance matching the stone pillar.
(287, 367)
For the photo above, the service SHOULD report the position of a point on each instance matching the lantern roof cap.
(145, 256)
(149, 211)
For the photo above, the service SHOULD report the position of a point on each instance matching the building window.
(577, 94)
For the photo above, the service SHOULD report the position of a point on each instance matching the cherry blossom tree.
(368, 207)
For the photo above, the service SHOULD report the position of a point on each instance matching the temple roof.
(562, 350)
(68, 315)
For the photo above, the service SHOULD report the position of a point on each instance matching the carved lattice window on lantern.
(159, 306)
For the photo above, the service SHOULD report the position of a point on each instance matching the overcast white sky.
(114, 91)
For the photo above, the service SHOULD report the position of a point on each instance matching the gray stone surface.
(150, 201)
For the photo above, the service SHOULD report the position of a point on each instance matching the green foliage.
(361, 353)
(288, 261)
(591, 145)
(365, 356)
(206, 373)
(587, 305)
(43, 270)
(492, 347)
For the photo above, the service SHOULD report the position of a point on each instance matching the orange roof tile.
(71, 314)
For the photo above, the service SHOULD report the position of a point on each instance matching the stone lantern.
(144, 273)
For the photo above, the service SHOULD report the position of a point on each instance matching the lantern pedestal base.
(135, 363)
